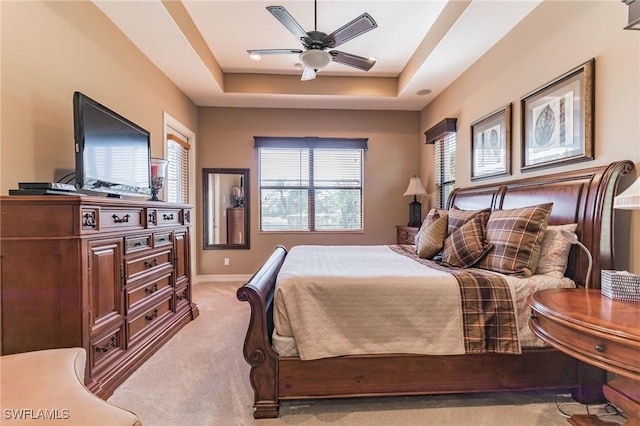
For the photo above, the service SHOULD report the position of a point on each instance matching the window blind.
(307, 185)
(445, 150)
(178, 169)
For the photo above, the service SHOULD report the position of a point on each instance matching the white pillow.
(554, 251)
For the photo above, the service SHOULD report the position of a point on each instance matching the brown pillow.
(430, 237)
(516, 235)
(458, 217)
(467, 244)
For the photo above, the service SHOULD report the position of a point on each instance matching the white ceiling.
(422, 44)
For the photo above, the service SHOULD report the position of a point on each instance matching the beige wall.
(51, 49)
(555, 38)
(225, 139)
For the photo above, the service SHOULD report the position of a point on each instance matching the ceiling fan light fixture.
(315, 59)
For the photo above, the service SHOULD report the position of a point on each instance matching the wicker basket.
(620, 285)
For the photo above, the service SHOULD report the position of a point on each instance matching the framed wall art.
(557, 120)
(491, 145)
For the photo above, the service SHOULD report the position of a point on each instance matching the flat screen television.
(112, 153)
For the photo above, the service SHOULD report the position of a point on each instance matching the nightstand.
(599, 331)
(406, 234)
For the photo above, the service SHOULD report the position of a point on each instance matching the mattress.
(352, 300)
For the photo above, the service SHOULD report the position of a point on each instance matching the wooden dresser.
(406, 234)
(598, 331)
(235, 225)
(109, 275)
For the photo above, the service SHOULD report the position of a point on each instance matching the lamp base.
(415, 214)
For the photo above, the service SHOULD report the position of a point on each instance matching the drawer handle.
(533, 316)
(137, 244)
(151, 264)
(112, 344)
(162, 239)
(181, 296)
(167, 216)
(118, 219)
(152, 289)
(600, 348)
(153, 315)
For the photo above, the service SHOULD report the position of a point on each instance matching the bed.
(584, 197)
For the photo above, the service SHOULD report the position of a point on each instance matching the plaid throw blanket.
(489, 318)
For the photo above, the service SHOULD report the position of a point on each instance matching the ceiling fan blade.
(273, 51)
(287, 20)
(308, 74)
(355, 61)
(358, 26)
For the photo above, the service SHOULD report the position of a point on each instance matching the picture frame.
(557, 120)
(491, 145)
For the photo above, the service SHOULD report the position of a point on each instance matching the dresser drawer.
(162, 239)
(148, 263)
(106, 348)
(121, 219)
(136, 243)
(182, 296)
(141, 325)
(599, 347)
(138, 294)
(169, 217)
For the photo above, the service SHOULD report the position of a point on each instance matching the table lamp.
(573, 239)
(415, 188)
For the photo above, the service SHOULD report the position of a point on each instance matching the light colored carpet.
(200, 378)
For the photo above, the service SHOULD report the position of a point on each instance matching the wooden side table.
(406, 234)
(599, 331)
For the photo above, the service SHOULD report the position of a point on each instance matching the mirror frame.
(205, 210)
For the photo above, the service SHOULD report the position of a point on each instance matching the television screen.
(112, 153)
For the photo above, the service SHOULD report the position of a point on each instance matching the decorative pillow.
(516, 236)
(430, 237)
(466, 245)
(458, 217)
(554, 251)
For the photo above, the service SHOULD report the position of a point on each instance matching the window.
(443, 137)
(311, 184)
(445, 168)
(178, 169)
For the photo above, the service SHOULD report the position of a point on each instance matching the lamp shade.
(315, 59)
(415, 187)
(629, 199)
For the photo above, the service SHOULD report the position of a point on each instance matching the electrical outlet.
(226, 261)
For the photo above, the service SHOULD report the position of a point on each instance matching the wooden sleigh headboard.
(582, 196)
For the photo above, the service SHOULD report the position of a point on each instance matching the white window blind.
(178, 169)
(445, 149)
(308, 184)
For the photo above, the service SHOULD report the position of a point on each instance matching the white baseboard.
(241, 278)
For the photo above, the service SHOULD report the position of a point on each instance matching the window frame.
(312, 144)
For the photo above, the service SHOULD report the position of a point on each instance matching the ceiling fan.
(316, 55)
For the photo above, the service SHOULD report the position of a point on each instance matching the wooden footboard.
(257, 343)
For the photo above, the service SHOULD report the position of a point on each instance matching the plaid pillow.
(466, 245)
(516, 236)
(430, 237)
(458, 217)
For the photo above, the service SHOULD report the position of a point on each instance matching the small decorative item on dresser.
(620, 285)
(158, 174)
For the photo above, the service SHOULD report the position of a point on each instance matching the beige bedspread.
(323, 293)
